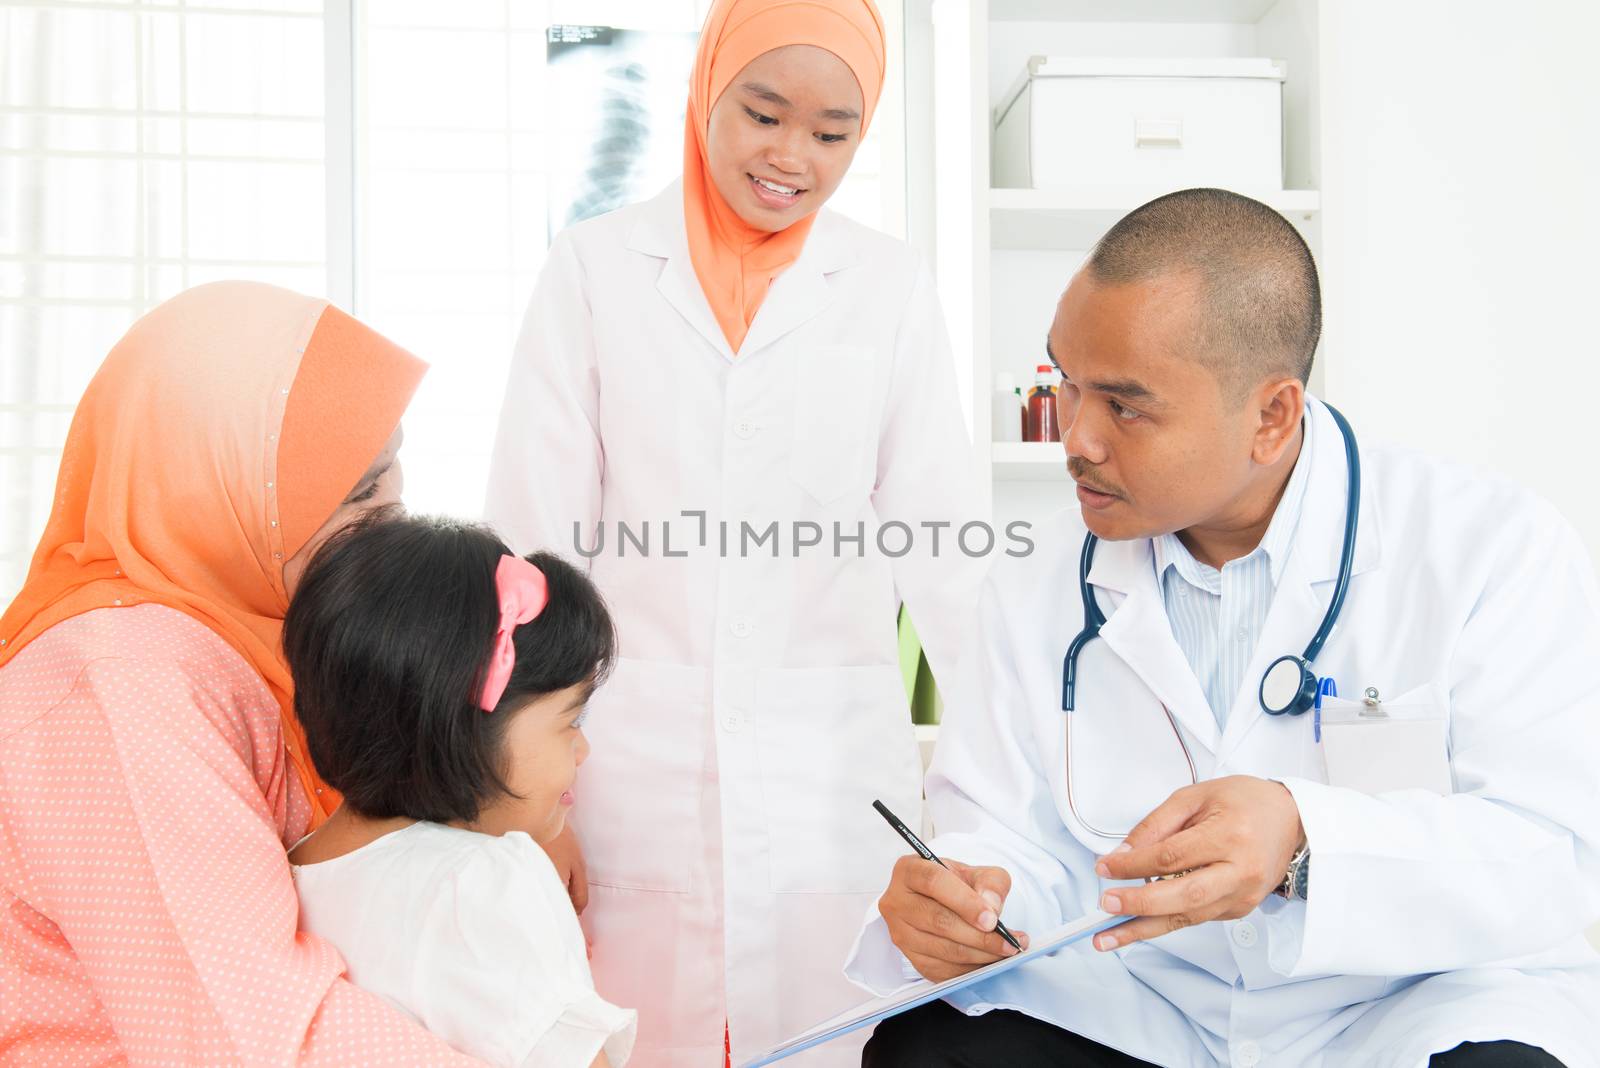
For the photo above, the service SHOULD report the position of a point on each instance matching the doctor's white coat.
(757, 708)
(1432, 920)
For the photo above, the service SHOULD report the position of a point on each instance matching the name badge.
(1381, 746)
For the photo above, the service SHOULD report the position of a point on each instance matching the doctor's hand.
(1231, 838)
(943, 919)
(565, 854)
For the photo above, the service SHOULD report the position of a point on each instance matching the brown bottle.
(1041, 419)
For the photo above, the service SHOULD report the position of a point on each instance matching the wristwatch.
(1297, 880)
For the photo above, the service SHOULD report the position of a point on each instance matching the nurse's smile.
(775, 194)
(783, 134)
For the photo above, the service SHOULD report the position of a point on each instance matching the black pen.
(927, 854)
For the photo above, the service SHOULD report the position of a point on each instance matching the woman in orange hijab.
(151, 771)
(739, 405)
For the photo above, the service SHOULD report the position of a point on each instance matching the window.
(406, 158)
(144, 148)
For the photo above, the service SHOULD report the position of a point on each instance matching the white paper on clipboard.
(878, 1009)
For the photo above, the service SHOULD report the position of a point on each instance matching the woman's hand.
(567, 856)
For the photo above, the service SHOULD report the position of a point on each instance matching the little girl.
(441, 682)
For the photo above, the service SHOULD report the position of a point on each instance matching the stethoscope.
(1289, 686)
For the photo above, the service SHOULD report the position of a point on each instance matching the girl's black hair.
(388, 637)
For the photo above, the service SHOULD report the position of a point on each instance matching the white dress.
(472, 934)
(756, 708)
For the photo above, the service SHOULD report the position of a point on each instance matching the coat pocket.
(1403, 744)
(830, 742)
(832, 405)
(638, 816)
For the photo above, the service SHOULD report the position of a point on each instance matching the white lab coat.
(757, 707)
(1432, 920)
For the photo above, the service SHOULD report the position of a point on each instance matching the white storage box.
(1151, 124)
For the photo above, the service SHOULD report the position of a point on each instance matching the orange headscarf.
(735, 261)
(217, 437)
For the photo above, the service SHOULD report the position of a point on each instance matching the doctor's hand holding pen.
(1213, 851)
(943, 918)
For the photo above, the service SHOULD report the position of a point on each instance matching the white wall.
(1461, 194)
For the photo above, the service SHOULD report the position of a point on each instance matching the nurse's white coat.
(758, 706)
(1432, 920)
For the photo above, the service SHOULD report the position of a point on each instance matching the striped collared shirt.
(1217, 616)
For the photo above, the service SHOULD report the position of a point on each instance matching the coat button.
(1244, 934)
(741, 628)
(745, 429)
(732, 720)
(1247, 1055)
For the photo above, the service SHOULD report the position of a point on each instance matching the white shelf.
(1029, 461)
(1129, 10)
(1002, 255)
(1075, 219)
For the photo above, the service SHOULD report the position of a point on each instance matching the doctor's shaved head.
(1184, 344)
(1258, 301)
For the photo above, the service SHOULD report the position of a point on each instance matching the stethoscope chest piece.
(1289, 687)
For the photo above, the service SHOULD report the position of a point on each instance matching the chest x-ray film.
(618, 99)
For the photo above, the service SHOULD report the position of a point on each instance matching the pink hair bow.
(523, 595)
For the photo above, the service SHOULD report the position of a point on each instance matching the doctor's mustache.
(1086, 474)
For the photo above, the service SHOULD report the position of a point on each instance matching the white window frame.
(342, 66)
(339, 157)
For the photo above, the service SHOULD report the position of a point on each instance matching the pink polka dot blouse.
(147, 913)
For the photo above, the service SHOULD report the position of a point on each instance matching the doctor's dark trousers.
(938, 1036)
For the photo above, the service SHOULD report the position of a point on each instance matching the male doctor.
(1402, 878)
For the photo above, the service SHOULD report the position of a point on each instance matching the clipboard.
(920, 993)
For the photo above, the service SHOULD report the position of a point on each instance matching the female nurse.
(151, 770)
(741, 407)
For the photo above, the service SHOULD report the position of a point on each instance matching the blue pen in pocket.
(1325, 688)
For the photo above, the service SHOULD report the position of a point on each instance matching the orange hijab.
(217, 437)
(734, 261)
